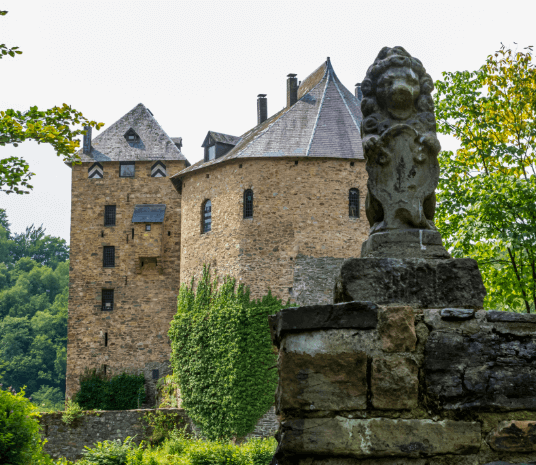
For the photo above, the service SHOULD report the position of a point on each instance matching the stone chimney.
(87, 140)
(262, 108)
(292, 89)
(358, 92)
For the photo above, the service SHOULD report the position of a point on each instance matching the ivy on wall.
(120, 392)
(222, 356)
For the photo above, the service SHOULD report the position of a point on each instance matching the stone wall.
(300, 213)
(144, 297)
(361, 383)
(69, 441)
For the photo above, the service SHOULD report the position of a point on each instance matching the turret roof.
(324, 122)
(153, 143)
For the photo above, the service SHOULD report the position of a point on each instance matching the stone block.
(380, 437)
(513, 436)
(397, 329)
(322, 381)
(357, 315)
(509, 317)
(417, 282)
(394, 383)
(457, 313)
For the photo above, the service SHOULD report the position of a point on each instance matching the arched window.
(248, 203)
(353, 203)
(206, 217)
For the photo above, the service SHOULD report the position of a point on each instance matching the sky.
(198, 66)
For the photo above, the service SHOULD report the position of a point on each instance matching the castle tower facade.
(284, 206)
(125, 250)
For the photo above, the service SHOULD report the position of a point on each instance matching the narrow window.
(147, 227)
(248, 203)
(127, 169)
(107, 300)
(105, 339)
(108, 256)
(155, 374)
(132, 233)
(104, 367)
(353, 203)
(206, 218)
(109, 215)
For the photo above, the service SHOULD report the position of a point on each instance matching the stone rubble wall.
(69, 441)
(361, 383)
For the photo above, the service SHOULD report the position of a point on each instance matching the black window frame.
(109, 215)
(206, 226)
(127, 163)
(108, 256)
(147, 227)
(248, 204)
(353, 203)
(107, 296)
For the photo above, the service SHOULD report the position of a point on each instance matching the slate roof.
(222, 138)
(324, 122)
(154, 143)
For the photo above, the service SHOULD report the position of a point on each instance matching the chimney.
(262, 108)
(292, 89)
(87, 140)
(358, 92)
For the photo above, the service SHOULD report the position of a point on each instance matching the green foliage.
(487, 189)
(52, 126)
(101, 392)
(109, 453)
(49, 399)
(168, 392)
(163, 425)
(20, 441)
(72, 412)
(222, 356)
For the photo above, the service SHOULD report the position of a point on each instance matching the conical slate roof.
(153, 143)
(324, 122)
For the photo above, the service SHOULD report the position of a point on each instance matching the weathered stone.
(417, 282)
(514, 436)
(379, 437)
(457, 313)
(394, 383)
(405, 243)
(510, 317)
(510, 463)
(322, 381)
(358, 315)
(432, 317)
(397, 329)
(484, 369)
(349, 461)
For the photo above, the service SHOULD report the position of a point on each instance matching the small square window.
(127, 169)
(108, 256)
(107, 300)
(147, 227)
(109, 215)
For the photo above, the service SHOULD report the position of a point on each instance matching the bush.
(222, 356)
(109, 453)
(120, 392)
(49, 399)
(20, 441)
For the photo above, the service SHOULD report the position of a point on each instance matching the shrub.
(20, 441)
(72, 412)
(120, 392)
(109, 453)
(222, 356)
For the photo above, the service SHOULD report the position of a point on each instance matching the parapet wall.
(361, 383)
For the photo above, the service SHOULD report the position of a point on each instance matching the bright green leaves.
(487, 189)
(222, 356)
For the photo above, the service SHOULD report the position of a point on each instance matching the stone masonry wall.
(361, 383)
(69, 441)
(144, 297)
(300, 214)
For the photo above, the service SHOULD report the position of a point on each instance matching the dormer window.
(131, 136)
(212, 152)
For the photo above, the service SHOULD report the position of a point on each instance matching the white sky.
(199, 66)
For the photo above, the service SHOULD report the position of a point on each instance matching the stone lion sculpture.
(400, 143)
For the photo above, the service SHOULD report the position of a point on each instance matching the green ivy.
(120, 392)
(222, 356)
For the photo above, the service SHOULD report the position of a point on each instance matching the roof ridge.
(319, 108)
(346, 105)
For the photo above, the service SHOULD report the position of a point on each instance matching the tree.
(52, 126)
(487, 189)
(222, 356)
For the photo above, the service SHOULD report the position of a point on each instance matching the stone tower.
(125, 250)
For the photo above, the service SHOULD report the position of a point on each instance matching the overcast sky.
(199, 66)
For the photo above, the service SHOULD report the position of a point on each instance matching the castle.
(279, 208)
